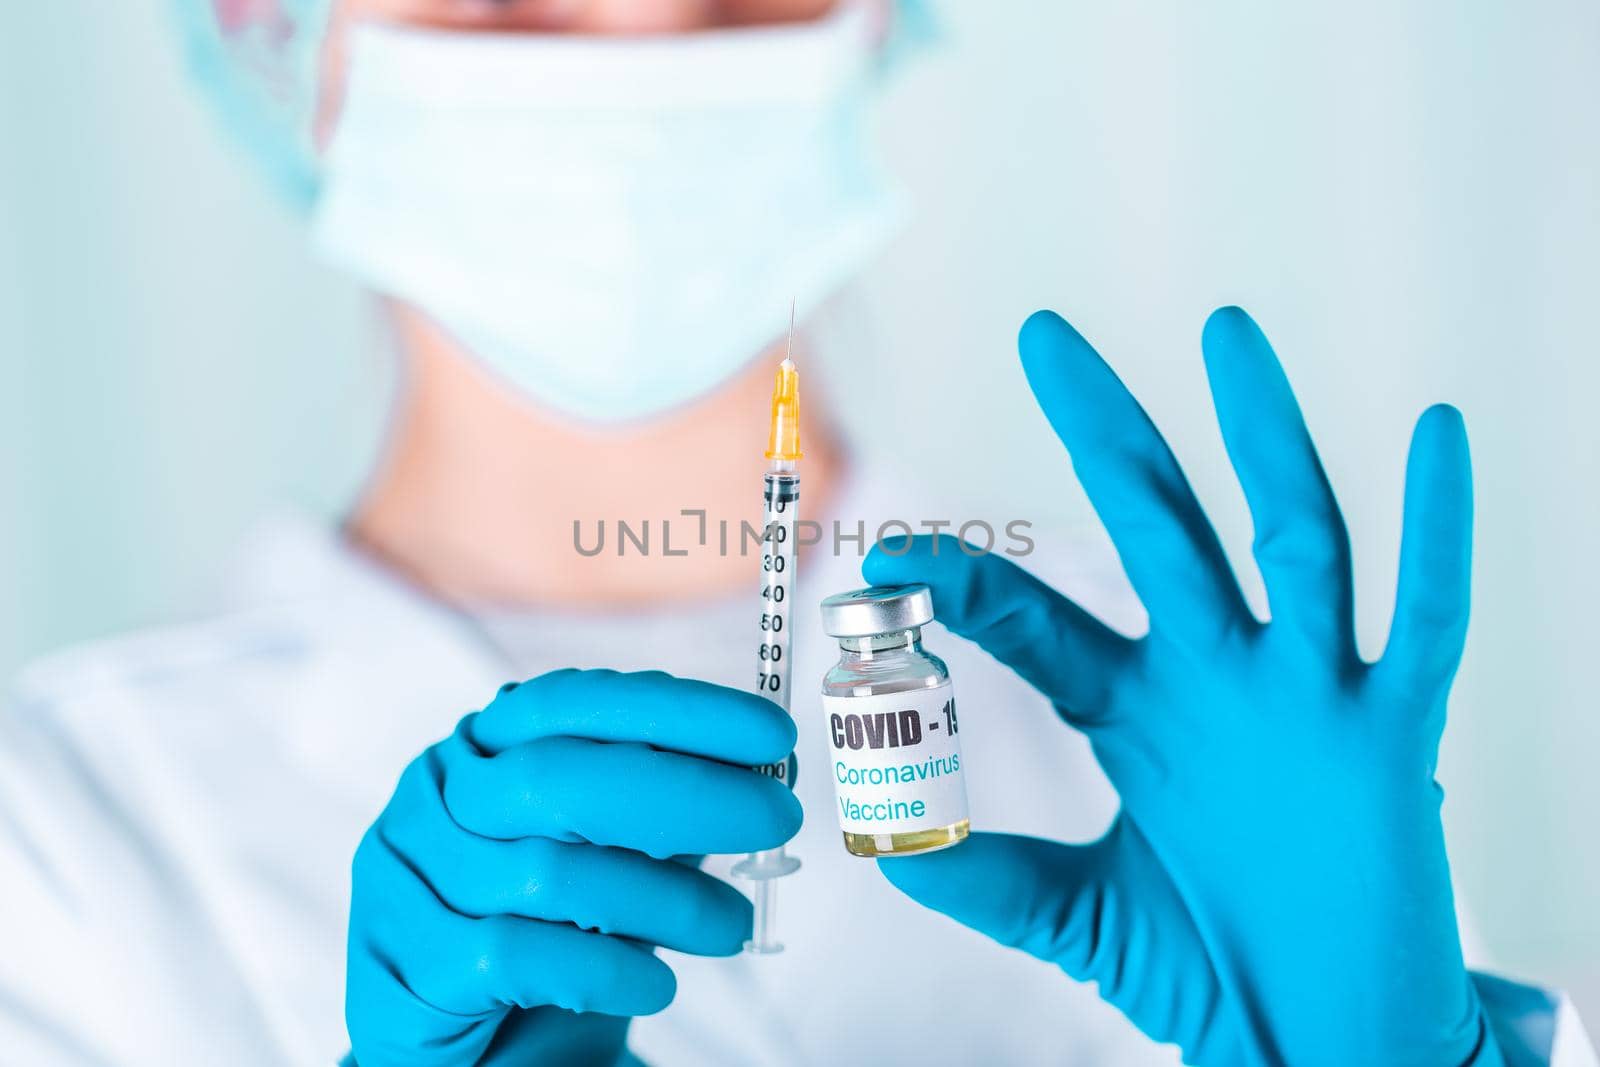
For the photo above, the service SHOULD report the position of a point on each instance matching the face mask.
(612, 226)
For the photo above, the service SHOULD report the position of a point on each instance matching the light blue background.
(1407, 195)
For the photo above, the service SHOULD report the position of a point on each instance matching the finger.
(470, 966)
(1434, 590)
(1301, 543)
(388, 1022)
(663, 804)
(421, 976)
(653, 707)
(1168, 548)
(1056, 646)
(551, 1035)
(1105, 912)
(607, 890)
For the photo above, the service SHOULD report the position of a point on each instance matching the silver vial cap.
(881, 609)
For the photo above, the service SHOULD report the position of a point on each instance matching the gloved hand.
(506, 901)
(1275, 888)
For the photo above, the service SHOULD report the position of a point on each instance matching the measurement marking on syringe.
(781, 498)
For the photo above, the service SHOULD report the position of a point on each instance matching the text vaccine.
(889, 711)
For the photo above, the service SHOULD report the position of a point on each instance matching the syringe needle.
(788, 348)
(783, 434)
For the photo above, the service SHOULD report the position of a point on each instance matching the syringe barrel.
(781, 497)
(781, 500)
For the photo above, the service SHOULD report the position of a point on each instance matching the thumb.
(1105, 912)
(1064, 904)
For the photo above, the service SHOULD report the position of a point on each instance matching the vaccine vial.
(890, 715)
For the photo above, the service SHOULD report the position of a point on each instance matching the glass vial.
(890, 717)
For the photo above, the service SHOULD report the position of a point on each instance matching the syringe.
(782, 496)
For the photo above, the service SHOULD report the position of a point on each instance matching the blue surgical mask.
(612, 226)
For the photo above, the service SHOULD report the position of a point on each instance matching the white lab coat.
(178, 810)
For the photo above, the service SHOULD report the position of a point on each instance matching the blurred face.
(597, 200)
(590, 16)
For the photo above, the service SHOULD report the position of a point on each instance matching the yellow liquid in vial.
(906, 844)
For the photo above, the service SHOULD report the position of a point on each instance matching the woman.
(585, 238)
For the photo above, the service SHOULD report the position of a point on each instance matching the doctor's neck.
(476, 495)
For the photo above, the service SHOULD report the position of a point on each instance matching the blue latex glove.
(1275, 888)
(506, 901)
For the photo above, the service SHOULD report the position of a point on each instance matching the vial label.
(896, 760)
